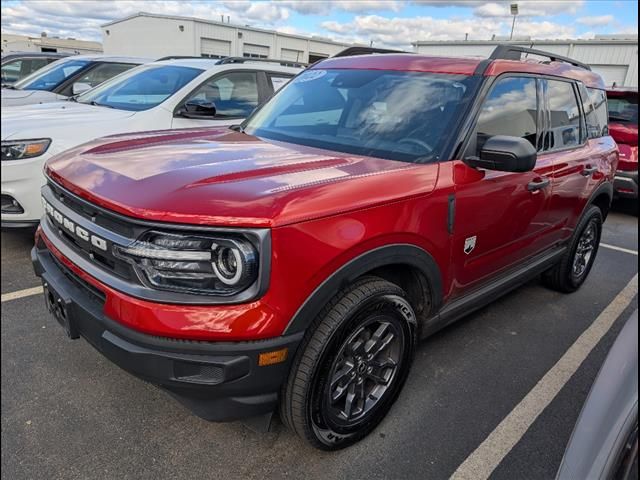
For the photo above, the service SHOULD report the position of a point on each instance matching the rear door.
(502, 218)
(575, 157)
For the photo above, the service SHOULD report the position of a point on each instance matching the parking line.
(619, 249)
(484, 460)
(27, 292)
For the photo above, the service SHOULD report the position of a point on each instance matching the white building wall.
(157, 36)
(23, 43)
(150, 37)
(616, 61)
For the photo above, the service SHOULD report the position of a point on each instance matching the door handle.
(588, 171)
(538, 184)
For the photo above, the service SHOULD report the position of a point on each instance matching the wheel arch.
(408, 266)
(602, 198)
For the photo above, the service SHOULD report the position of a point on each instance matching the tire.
(332, 365)
(565, 276)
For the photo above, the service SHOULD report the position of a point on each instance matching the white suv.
(66, 77)
(168, 94)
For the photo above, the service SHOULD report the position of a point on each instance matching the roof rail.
(178, 57)
(352, 51)
(514, 52)
(284, 63)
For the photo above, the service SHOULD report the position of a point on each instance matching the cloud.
(596, 21)
(528, 8)
(400, 32)
(83, 19)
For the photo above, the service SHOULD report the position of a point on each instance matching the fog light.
(271, 358)
(10, 205)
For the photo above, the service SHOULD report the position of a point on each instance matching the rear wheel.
(574, 267)
(351, 365)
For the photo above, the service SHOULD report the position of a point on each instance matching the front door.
(501, 218)
(235, 94)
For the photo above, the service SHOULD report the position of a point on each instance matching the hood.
(45, 120)
(224, 178)
(624, 133)
(26, 97)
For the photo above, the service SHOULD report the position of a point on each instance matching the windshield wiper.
(10, 87)
(72, 98)
(96, 104)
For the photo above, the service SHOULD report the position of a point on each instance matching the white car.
(179, 93)
(66, 77)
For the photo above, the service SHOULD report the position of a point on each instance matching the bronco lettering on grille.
(71, 227)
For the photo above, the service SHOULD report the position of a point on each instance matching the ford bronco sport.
(294, 261)
(623, 127)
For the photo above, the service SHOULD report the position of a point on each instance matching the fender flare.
(395, 254)
(604, 187)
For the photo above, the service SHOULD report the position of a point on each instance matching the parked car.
(623, 126)
(604, 443)
(16, 66)
(294, 261)
(66, 77)
(167, 94)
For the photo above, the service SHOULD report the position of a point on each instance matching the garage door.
(291, 55)
(611, 73)
(255, 51)
(214, 48)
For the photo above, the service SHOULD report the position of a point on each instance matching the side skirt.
(491, 291)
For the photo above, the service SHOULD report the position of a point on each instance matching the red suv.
(294, 261)
(623, 127)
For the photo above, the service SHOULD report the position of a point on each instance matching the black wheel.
(351, 365)
(574, 267)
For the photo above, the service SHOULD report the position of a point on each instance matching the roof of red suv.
(461, 66)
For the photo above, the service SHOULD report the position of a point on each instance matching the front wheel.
(351, 365)
(574, 267)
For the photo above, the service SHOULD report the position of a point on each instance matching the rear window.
(623, 109)
(599, 120)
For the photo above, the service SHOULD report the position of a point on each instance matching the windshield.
(49, 77)
(623, 109)
(405, 116)
(141, 88)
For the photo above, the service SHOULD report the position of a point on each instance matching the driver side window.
(234, 94)
(511, 108)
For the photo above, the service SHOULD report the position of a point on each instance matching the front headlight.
(193, 262)
(19, 149)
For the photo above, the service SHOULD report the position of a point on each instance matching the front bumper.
(218, 381)
(22, 180)
(625, 184)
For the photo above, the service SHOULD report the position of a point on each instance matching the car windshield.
(49, 77)
(141, 88)
(405, 116)
(623, 109)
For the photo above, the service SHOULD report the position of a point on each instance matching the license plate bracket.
(61, 308)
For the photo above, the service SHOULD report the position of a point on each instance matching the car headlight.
(19, 149)
(193, 262)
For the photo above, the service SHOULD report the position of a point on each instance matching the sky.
(386, 23)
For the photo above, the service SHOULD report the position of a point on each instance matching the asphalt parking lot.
(69, 413)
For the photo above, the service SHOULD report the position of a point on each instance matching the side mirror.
(198, 110)
(80, 87)
(506, 154)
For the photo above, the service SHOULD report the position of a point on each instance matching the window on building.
(601, 118)
(510, 109)
(234, 94)
(565, 121)
(254, 55)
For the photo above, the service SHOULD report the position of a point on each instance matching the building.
(613, 57)
(45, 43)
(152, 35)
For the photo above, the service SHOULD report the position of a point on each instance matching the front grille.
(94, 294)
(104, 259)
